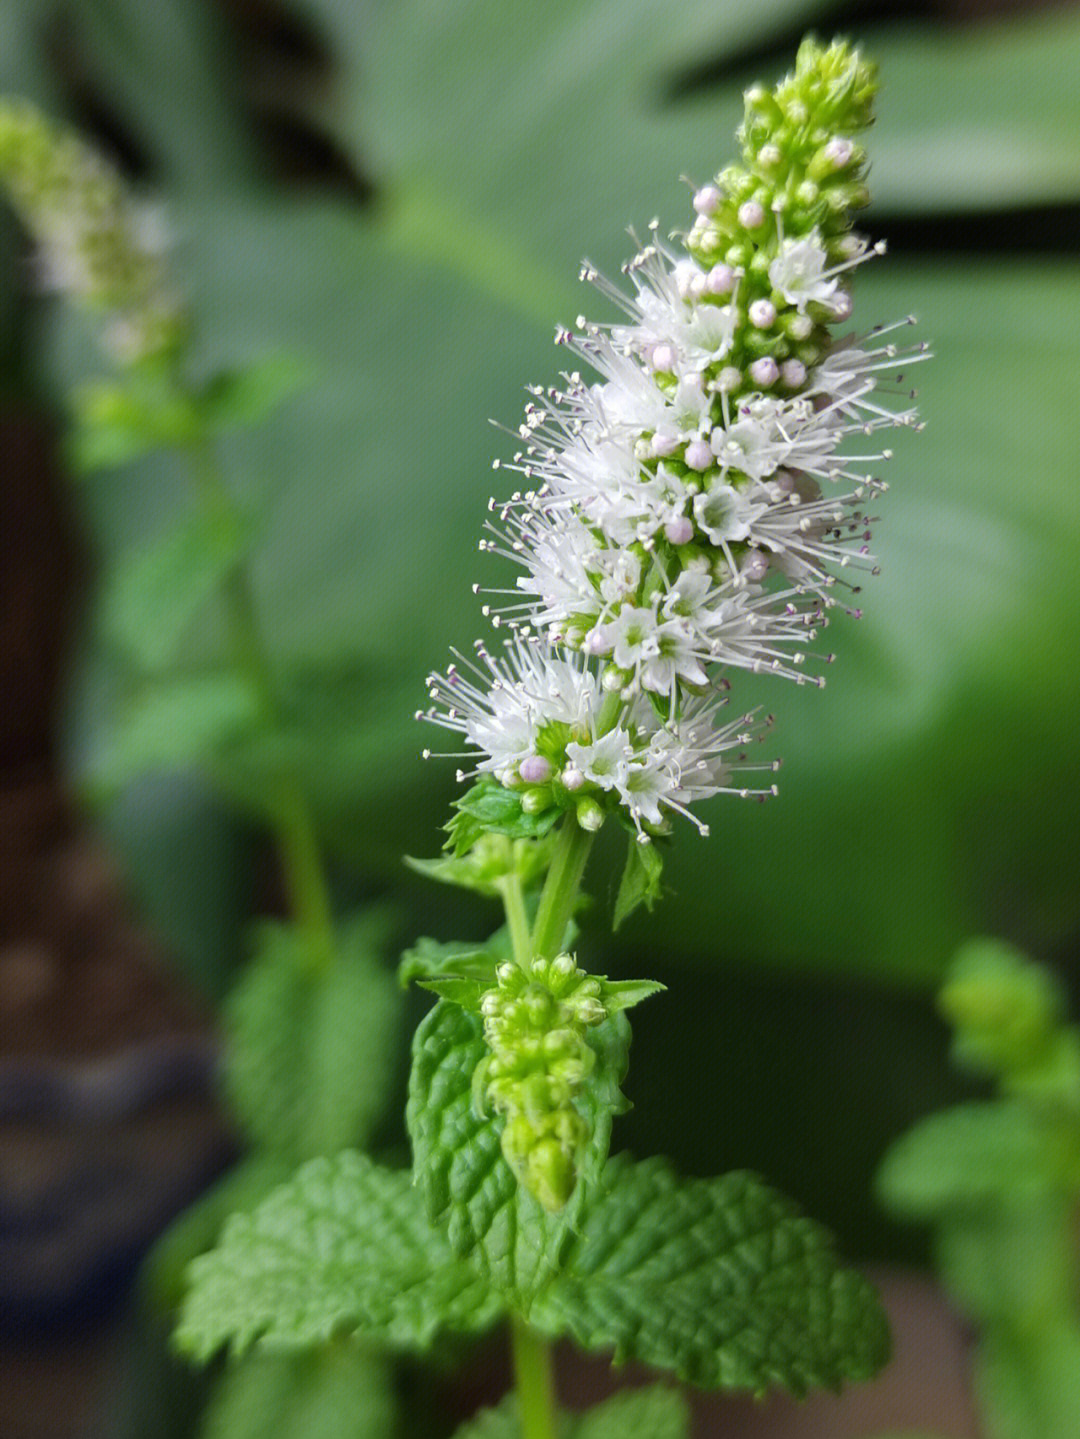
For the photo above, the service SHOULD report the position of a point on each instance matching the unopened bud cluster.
(1009, 1016)
(535, 1023)
(96, 244)
(696, 508)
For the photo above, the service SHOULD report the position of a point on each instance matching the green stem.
(291, 816)
(561, 888)
(535, 1379)
(517, 920)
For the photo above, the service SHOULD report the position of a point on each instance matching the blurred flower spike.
(97, 245)
(702, 505)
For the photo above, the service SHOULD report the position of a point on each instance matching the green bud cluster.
(802, 175)
(1009, 1020)
(535, 1023)
(97, 246)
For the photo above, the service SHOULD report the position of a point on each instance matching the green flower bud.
(1006, 1010)
(535, 1024)
(590, 814)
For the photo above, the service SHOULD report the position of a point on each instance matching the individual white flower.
(599, 760)
(753, 444)
(800, 271)
(633, 636)
(643, 784)
(724, 513)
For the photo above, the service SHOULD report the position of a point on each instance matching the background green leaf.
(335, 1392)
(310, 1047)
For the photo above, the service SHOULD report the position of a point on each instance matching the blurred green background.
(400, 194)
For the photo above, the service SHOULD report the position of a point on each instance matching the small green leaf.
(975, 1154)
(655, 1412)
(722, 1281)
(490, 808)
(498, 1422)
(343, 1248)
(457, 990)
(489, 859)
(619, 994)
(310, 1042)
(336, 1392)
(429, 959)
(640, 883)
(155, 595)
(115, 424)
(175, 723)
(248, 394)
(467, 1184)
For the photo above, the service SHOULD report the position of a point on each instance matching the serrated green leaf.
(467, 1184)
(155, 595)
(246, 395)
(175, 723)
(620, 994)
(655, 1412)
(336, 1392)
(431, 959)
(640, 883)
(722, 1281)
(198, 1228)
(309, 1044)
(343, 1248)
(978, 1153)
(497, 810)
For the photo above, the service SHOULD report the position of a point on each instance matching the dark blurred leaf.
(155, 594)
(310, 1044)
(336, 1392)
(175, 723)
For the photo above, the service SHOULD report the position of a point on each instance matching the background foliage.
(398, 196)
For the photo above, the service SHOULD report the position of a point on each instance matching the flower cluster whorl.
(692, 511)
(535, 1023)
(96, 244)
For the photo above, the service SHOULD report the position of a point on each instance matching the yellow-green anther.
(96, 244)
(535, 1023)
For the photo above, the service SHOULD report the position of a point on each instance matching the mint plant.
(998, 1180)
(701, 508)
(697, 510)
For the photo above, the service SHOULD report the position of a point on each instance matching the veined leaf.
(467, 1184)
(722, 1281)
(343, 1248)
